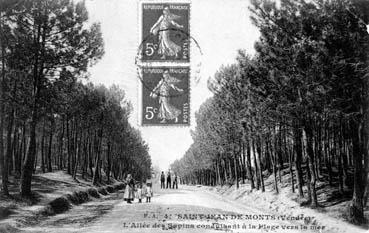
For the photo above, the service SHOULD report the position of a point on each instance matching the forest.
(298, 104)
(51, 117)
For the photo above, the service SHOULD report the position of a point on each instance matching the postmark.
(165, 32)
(165, 96)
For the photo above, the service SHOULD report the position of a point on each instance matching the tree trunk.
(366, 141)
(290, 159)
(22, 154)
(298, 159)
(61, 146)
(235, 171)
(308, 179)
(85, 156)
(259, 153)
(218, 172)
(29, 161)
(97, 175)
(90, 154)
(109, 161)
(69, 162)
(49, 158)
(340, 167)
(26, 177)
(310, 153)
(274, 166)
(329, 156)
(230, 169)
(356, 209)
(77, 149)
(3, 160)
(9, 143)
(43, 148)
(257, 175)
(17, 150)
(249, 168)
(242, 162)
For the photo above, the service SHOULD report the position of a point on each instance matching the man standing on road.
(169, 180)
(162, 180)
(175, 181)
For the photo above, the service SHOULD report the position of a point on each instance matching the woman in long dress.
(166, 46)
(129, 190)
(167, 111)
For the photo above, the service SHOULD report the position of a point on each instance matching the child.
(148, 192)
(139, 193)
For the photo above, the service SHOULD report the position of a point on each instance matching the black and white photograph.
(184, 116)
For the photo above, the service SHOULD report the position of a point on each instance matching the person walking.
(129, 190)
(169, 180)
(162, 180)
(175, 181)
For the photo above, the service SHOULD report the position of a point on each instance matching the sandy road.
(188, 209)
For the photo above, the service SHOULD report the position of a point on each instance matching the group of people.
(171, 183)
(137, 190)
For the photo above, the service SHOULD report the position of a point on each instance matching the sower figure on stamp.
(129, 191)
(169, 180)
(166, 46)
(167, 111)
(162, 180)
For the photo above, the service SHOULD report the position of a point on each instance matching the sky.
(220, 27)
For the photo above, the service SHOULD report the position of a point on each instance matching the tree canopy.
(50, 117)
(300, 103)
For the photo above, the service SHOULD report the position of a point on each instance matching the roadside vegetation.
(51, 117)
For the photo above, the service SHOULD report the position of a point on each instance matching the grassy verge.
(53, 193)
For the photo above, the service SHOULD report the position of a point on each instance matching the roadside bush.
(120, 186)
(59, 205)
(82, 196)
(93, 193)
(102, 191)
(72, 198)
(110, 189)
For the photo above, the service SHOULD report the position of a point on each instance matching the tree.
(56, 41)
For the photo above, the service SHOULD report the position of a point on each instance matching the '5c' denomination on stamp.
(165, 32)
(165, 96)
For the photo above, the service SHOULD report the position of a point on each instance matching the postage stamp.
(165, 32)
(165, 96)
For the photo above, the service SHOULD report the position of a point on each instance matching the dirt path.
(188, 209)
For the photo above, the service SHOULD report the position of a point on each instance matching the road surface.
(188, 209)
